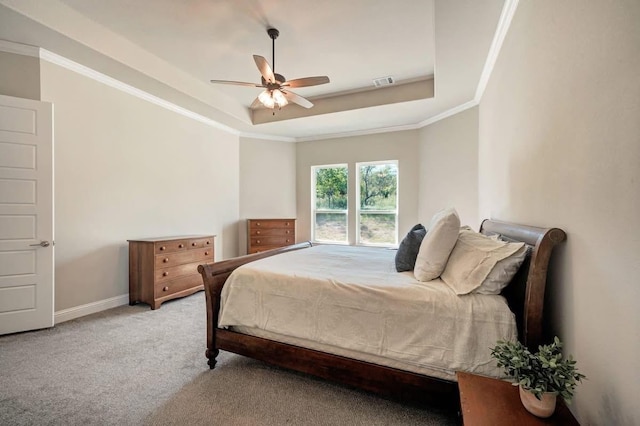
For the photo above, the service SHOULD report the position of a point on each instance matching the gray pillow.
(409, 247)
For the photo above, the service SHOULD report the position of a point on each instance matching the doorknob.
(41, 244)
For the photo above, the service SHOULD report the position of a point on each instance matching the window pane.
(331, 188)
(378, 187)
(377, 228)
(331, 227)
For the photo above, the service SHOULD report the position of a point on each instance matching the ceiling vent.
(384, 81)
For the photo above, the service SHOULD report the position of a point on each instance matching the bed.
(363, 363)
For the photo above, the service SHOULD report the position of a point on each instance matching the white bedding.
(350, 300)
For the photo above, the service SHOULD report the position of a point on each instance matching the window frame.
(315, 210)
(360, 211)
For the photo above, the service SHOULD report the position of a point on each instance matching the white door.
(26, 214)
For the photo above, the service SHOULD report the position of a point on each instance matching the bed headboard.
(525, 293)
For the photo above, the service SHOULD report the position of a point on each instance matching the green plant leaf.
(544, 371)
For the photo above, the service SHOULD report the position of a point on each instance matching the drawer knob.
(165, 273)
(208, 242)
(287, 240)
(180, 245)
(194, 244)
(163, 248)
(257, 241)
(206, 253)
(165, 288)
(165, 260)
(287, 224)
(257, 232)
(287, 231)
(257, 223)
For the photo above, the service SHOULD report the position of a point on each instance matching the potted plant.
(541, 376)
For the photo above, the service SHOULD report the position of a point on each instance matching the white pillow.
(437, 245)
(502, 274)
(473, 258)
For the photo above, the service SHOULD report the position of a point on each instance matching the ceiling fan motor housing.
(279, 80)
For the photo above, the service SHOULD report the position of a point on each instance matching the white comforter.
(351, 298)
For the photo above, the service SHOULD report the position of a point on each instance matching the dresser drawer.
(174, 286)
(178, 258)
(260, 249)
(271, 241)
(168, 274)
(200, 243)
(265, 232)
(170, 246)
(271, 223)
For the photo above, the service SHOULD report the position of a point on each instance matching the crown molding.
(268, 137)
(360, 133)
(19, 49)
(448, 113)
(508, 10)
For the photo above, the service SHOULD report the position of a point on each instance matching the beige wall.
(449, 167)
(401, 146)
(125, 168)
(19, 76)
(267, 182)
(560, 146)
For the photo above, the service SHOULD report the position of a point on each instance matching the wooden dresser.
(162, 269)
(267, 234)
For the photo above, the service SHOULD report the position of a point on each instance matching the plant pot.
(539, 407)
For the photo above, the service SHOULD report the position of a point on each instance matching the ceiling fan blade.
(237, 83)
(265, 69)
(297, 99)
(307, 81)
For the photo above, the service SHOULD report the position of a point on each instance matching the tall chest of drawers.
(162, 269)
(267, 234)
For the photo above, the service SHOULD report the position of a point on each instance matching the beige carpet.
(241, 391)
(131, 366)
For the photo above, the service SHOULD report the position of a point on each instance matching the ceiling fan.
(277, 87)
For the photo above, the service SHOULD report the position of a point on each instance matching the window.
(377, 212)
(329, 204)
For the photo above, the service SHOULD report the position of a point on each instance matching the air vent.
(383, 81)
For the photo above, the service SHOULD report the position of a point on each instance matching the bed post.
(213, 284)
(537, 281)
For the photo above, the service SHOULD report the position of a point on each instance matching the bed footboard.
(214, 275)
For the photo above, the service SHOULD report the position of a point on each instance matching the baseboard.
(90, 308)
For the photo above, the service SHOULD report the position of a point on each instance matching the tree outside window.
(377, 218)
(330, 203)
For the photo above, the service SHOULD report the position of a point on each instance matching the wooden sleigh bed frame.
(525, 295)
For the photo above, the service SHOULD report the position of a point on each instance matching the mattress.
(350, 301)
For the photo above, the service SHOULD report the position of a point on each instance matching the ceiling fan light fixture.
(271, 98)
(266, 99)
(279, 98)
